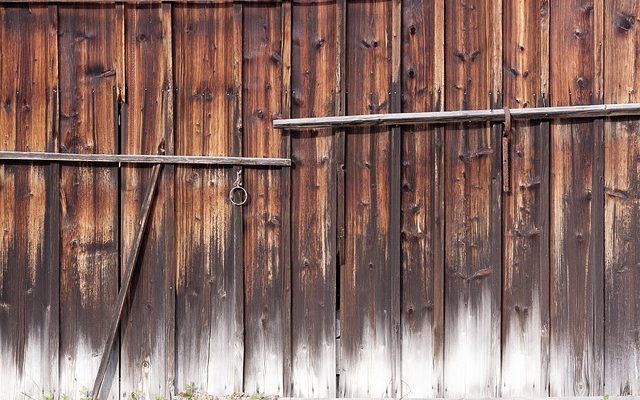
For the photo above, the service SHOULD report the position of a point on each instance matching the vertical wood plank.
(238, 213)
(313, 247)
(169, 205)
(422, 201)
(285, 193)
(368, 317)
(209, 348)
(89, 195)
(472, 206)
(525, 312)
(264, 215)
(340, 148)
(28, 211)
(143, 331)
(576, 251)
(622, 204)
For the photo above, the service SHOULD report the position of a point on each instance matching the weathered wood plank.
(525, 304)
(340, 154)
(144, 344)
(209, 347)
(89, 196)
(286, 16)
(313, 249)
(169, 207)
(622, 204)
(576, 244)
(472, 205)
(368, 363)
(238, 213)
(422, 202)
(265, 268)
(28, 213)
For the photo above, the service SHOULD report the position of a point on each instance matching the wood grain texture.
(313, 205)
(622, 204)
(89, 196)
(264, 219)
(209, 341)
(525, 304)
(422, 202)
(576, 236)
(28, 214)
(367, 319)
(148, 81)
(472, 205)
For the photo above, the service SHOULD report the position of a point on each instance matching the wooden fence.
(385, 262)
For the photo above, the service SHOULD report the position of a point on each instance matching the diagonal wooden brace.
(126, 282)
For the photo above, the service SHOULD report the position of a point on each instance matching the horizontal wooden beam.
(441, 117)
(142, 159)
(90, 2)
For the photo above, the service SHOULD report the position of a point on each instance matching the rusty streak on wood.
(576, 303)
(313, 249)
(129, 270)
(422, 202)
(622, 205)
(143, 159)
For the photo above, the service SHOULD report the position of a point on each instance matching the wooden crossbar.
(441, 117)
(142, 159)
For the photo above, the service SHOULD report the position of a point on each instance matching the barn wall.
(387, 262)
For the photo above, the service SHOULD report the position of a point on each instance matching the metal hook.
(506, 150)
(237, 187)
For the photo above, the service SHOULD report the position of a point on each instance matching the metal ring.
(243, 197)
